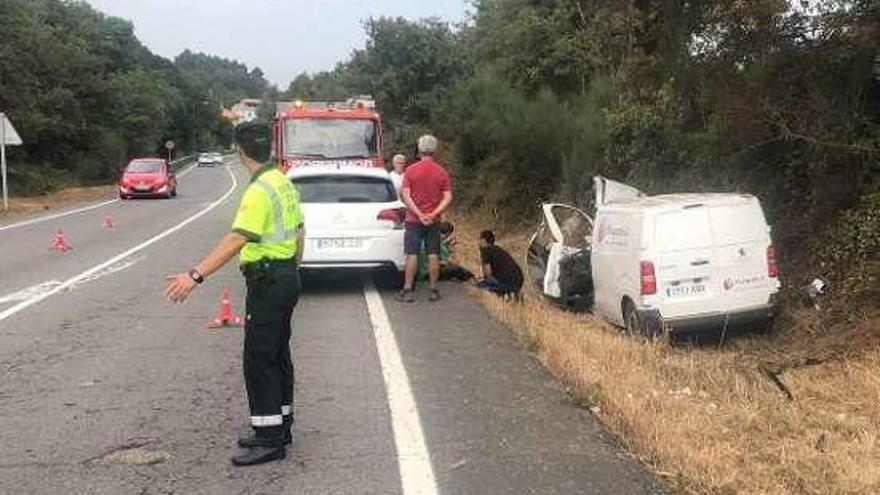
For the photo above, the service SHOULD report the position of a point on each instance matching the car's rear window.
(144, 166)
(345, 189)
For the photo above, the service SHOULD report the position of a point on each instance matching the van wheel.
(649, 328)
(631, 321)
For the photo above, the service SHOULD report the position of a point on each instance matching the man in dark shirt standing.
(427, 193)
(501, 274)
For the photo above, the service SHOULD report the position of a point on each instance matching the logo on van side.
(731, 282)
(610, 235)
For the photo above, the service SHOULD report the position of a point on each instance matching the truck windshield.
(331, 138)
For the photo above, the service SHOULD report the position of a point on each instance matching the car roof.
(673, 201)
(318, 170)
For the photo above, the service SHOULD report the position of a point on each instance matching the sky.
(282, 37)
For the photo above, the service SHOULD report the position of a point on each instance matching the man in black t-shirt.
(501, 274)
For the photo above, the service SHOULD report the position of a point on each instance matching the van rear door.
(712, 258)
(684, 261)
(741, 237)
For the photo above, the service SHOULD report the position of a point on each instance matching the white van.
(682, 261)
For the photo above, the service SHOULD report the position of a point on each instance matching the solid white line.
(56, 215)
(73, 212)
(413, 459)
(116, 259)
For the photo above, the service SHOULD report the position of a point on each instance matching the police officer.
(268, 236)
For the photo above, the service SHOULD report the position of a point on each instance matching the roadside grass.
(64, 197)
(708, 418)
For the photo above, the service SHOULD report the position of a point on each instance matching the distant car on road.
(147, 177)
(209, 159)
(354, 218)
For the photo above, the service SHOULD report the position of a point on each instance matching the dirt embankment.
(792, 413)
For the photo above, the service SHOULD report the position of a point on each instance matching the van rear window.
(682, 229)
(699, 227)
(736, 224)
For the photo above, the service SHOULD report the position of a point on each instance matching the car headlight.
(163, 189)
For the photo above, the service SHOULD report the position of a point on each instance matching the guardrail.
(181, 162)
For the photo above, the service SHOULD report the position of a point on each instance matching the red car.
(147, 177)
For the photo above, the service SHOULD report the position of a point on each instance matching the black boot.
(268, 446)
(259, 455)
(252, 440)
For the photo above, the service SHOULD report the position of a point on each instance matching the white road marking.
(63, 214)
(116, 259)
(30, 292)
(56, 215)
(116, 267)
(413, 459)
(188, 170)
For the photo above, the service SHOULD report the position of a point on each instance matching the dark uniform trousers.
(273, 289)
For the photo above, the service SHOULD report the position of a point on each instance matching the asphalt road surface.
(105, 388)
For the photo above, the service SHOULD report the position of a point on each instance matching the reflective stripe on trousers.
(261, 421)
(281, 234)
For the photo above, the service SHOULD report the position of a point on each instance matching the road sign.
(169, 145)
(8, 135)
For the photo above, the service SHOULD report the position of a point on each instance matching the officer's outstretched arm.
(182, 284)
(228, 247)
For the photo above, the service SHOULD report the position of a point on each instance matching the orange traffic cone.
(226, 318)
(109, 222)
(59, 243)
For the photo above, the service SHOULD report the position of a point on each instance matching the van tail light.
(649, 278)
(772, 262)
(395, 215)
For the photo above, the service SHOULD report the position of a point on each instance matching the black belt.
(260, 268)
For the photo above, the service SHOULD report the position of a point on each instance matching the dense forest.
(86, 95)
(774, 97)
(777, 98)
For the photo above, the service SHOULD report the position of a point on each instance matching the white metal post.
(3, 160)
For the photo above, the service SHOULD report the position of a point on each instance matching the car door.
(564, 230)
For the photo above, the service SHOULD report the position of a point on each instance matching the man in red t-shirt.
(427, 193)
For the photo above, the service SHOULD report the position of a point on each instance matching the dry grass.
(19, 207)
(707, 418)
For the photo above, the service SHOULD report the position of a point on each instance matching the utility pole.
(8, 135)
(3, 161)
(195, 129)
(195, 124)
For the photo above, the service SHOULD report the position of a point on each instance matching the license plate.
(685, 290)
(340, 243)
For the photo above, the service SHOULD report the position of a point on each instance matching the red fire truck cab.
(347, 133)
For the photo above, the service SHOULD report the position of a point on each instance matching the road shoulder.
(495, 421)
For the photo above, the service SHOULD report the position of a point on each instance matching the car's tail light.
(648, 277)
(395, 215)
(772, 262)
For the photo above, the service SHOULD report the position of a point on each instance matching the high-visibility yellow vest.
(269, 216)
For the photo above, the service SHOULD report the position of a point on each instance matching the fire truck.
(343, 133)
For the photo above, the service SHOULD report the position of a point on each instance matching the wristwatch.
(196, 276)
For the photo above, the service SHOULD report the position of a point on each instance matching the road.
(105, 388)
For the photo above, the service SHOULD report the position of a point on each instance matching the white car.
(209, 159)
(353, 217)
